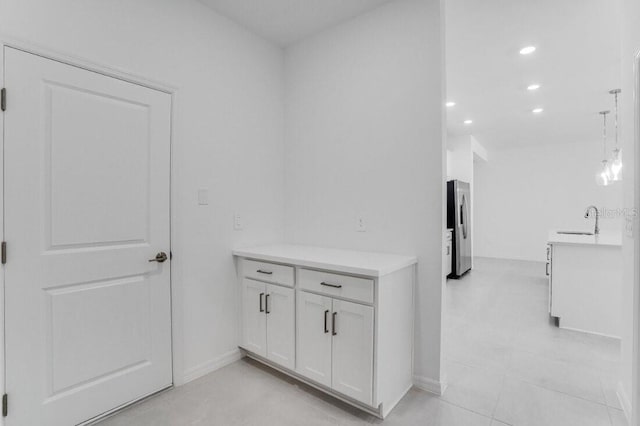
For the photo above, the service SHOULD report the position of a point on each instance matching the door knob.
(160, 257)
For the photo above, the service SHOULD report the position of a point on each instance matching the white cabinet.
(280, 314)
(448, 252)
(585, 285)
(268, 321)
(352, 350)
(338, 320)
(314, 337)
(335, 344)
(254, 320)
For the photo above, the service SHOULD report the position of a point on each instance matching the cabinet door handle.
(331, 285)
(326, 325)
(260, 271)
(546, 268)
(261, 296)
(333, 324)
(266, 304)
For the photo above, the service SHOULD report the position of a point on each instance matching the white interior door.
(313, 356)
(254, 320)
(280, 310)
(352, 372)
(87, 180)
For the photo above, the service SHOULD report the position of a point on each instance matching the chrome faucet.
(587, 214)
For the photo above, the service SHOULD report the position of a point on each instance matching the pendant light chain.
(615, 93)
(615, 163)
(604, 134)
(603, 177)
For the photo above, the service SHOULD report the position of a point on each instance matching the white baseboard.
(429, 385)
(625, 402)
(212, 365)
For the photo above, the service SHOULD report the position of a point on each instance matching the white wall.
(363, 137)
(522, 193)
(462, 154)
(459, 159)
(630, 16)
(228, 127)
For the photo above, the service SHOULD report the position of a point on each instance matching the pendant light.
(615, 164)
(603, 177)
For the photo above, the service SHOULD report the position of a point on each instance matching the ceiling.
(577, 62)
(287, 21)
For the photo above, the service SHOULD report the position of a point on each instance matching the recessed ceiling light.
(533, 87)
(450, 104)
(468, 121)
(537, 110)
(527, 50)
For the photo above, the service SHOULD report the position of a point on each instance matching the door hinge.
(3, 99)
(3, 254)
(5, 405)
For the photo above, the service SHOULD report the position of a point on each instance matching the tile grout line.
(464, 408)
(495, 407)
(560, 392)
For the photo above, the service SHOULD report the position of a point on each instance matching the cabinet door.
(314, 337)
(280, 312)
(254, 321)
(352, 329)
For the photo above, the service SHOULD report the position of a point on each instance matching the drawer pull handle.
(331, 285)
(266, 304)
(326, 326)
(260, 271)
(261, 296)
(547, 269)
(333, 324)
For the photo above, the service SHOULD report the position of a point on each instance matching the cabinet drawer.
(266, 271)
(360, 289)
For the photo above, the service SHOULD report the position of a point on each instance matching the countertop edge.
(377, 273)
(608, 239)
(576, 243)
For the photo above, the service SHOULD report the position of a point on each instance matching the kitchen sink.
(575, 233)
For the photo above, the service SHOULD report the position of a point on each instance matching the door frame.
(177, 313)
(634, 415)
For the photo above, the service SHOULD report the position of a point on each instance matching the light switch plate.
(203, 197)
(628, 226)
(238, 223)
(361, 225)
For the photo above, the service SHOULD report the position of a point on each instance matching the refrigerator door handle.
(463, 216)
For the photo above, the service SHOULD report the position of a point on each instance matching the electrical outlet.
(203, 197)
(361, 225)
(238, 223)
(628, 226)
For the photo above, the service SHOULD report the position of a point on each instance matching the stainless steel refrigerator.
(458, 214)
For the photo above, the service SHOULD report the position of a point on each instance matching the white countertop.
(347, 261)
(603, 239)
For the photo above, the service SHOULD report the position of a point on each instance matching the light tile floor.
(507, 364)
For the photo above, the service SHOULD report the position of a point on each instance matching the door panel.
(280, 310)
(106, 191)
(314, 337)
(87, 179)
(353, 350)
(83, 346)
(254, 320)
